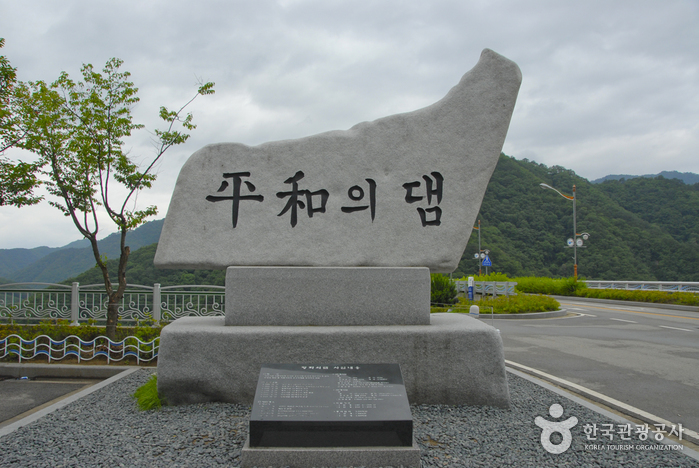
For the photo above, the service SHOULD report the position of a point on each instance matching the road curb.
(653, 305)
(63, 371)
(527, 315)
(622, 407)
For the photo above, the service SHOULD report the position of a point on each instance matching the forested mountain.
(45, 264)
(640, 229)
(668, 203)
(140, 270)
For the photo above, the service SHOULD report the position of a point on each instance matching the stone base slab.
(456, 360)
(289, 296)
(369, 457)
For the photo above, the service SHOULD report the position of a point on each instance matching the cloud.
(608, 87)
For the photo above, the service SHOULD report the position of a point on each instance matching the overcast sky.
(608, 86)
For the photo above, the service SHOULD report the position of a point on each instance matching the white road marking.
(622, 320)
(586, 315)
(675, 328)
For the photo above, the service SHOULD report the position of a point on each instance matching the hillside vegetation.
(140, 270)
(640, 229)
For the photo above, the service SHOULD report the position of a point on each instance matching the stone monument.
(328, 242)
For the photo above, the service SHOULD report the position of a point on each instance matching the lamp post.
(575, 241)
(478, 255)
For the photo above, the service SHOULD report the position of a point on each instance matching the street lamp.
(478, 255)
(576, 241)
(481, 253)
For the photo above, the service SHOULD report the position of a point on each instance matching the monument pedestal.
(296, 457)
(455, 360)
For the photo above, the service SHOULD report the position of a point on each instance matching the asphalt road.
(645, 357)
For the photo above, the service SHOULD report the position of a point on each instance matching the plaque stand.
(344, 414)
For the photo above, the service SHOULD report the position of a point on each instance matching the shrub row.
(660, 297)
(60, 329)
(559, 287)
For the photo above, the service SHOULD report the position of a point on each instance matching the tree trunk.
(112, 316)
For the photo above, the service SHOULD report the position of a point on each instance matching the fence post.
(156, 304)
(74, 303)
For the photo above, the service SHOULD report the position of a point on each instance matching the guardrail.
(493, 288)
(56, 350)
(39, 301)
(670, 286)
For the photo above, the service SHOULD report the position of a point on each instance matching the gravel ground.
(105, 428)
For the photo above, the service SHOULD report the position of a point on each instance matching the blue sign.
(487, 262)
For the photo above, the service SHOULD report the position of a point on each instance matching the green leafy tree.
(17, 179)
(442, 289)
(77, 130)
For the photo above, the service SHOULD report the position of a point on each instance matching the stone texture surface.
(368, 457)
(292, 202)
(327, 296)
(455, 360)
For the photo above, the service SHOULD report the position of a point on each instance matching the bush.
(443, 289)
(570, 287)
(146, 396)
(58, 330)
(559, 287)
(500, 277)
(659, 297)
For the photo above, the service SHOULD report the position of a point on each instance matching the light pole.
(478, 255)
(575, 242)
(481, 252)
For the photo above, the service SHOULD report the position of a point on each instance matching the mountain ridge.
(688, 178)
(55, 264)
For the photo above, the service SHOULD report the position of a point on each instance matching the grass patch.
(520, 304)
(146, 395)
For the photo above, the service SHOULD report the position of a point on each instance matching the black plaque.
(331, 405)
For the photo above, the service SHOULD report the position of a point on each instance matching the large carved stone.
(403, 190)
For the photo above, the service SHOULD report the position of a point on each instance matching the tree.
(17, 180)
(77, 130)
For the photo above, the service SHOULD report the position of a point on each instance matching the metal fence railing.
(32, 302)
(492, 288)
(73, 346)
(670, 286)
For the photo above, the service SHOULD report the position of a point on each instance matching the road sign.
(487, 262)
